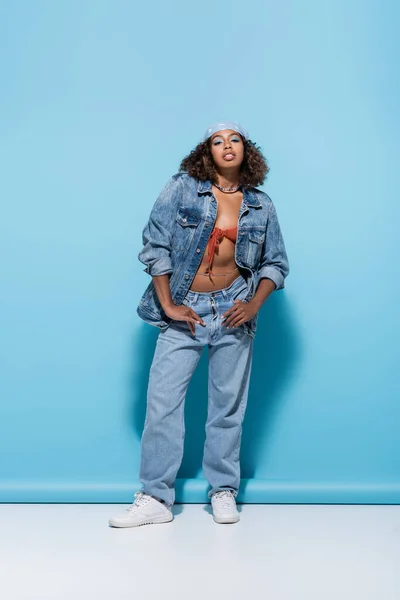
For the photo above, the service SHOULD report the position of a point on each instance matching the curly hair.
(200, 164)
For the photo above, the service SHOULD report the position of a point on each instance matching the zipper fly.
(213, 307)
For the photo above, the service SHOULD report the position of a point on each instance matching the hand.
(240, 313)
(184, 313)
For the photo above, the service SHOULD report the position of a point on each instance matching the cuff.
(161, 266)
(274, 274)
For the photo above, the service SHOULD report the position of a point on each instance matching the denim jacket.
(176, 235)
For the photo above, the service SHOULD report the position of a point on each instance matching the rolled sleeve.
(160, 266)
(157, 233)
(274, 263)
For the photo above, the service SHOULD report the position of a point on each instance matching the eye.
(217, 141)
(235, 139)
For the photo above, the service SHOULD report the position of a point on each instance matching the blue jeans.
(176, 356)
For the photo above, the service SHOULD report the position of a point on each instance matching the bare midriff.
(218, 268)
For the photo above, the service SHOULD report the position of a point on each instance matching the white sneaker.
(145, 510)
(224, 507)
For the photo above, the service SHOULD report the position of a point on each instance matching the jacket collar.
(249, 195)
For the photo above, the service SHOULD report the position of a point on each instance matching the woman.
(215, 251)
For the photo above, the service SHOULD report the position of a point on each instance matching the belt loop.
(196, 295)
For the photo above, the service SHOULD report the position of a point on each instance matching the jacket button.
(198, 250)
(184, 219)
(186, 276)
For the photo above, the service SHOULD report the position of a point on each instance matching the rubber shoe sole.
(226, 519)
(153, 521)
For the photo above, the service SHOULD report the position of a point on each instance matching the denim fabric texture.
(176, 356)
(176, 235)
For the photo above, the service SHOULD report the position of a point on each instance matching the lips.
(229, 155)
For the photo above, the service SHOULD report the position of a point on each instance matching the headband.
(220, 125)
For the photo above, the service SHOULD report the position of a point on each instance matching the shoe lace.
(140, 500)
(225, 497)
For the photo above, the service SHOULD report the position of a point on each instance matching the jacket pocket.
(254, 247)
(186, 225)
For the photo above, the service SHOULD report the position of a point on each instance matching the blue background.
(99, 103)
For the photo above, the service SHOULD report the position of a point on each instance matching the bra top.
(215, 238)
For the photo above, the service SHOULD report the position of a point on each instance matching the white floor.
(276, 551)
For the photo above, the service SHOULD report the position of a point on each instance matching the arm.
(274, 262)
(157, 232)
(273, 269)
(163, 291)
(156, 251)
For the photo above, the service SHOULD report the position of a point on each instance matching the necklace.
(234, 189)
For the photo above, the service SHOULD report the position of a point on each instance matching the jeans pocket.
(240, 294)
(187, 302)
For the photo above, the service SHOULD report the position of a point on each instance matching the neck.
(228, 179)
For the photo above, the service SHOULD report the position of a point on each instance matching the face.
(227, 149)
